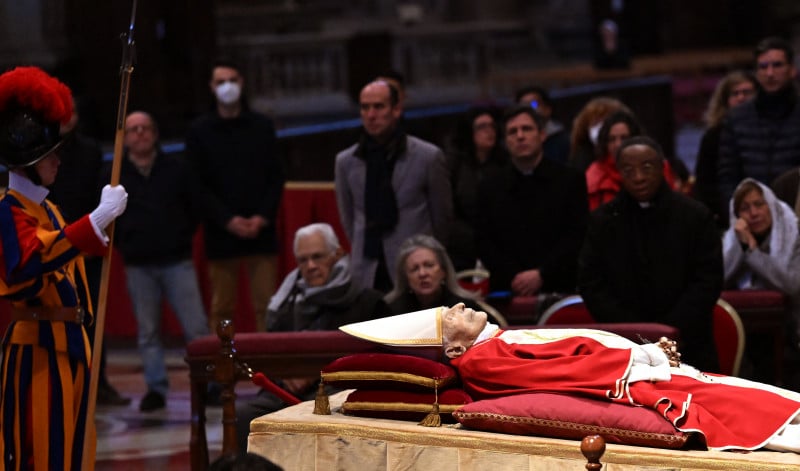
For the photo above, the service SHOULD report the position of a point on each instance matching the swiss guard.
(44, 376)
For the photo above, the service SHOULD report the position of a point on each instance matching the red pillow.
(387, 371)
(562, 416)
(403, 405)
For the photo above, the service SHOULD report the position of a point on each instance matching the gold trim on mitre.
(418, 329)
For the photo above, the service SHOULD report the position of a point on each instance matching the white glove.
(113, 201)
(650, 363)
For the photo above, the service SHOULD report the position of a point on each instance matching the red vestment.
(731, 413)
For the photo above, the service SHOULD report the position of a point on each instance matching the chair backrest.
(570, 310)
(475, 280)
(728, 337)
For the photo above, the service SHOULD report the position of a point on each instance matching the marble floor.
(135, 441)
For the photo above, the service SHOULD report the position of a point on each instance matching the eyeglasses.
(139, 128)
(317, 258)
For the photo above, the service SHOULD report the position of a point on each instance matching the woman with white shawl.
(761, 248)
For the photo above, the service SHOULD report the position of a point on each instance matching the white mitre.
(415, 329)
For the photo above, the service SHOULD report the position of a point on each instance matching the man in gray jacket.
(389, 186)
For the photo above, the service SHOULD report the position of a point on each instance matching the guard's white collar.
(27, 188)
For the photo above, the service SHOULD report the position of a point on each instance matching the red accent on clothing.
(728, 416)
(603, 180)
(26, 228)
(82, 235)
(579, 365)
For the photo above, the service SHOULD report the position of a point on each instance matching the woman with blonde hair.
(734, 89)
(586, 129)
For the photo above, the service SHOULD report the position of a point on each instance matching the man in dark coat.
(235, 154)
(653, 255)
(531, 215)
(155, 237)
(761, 139)
(319, 294)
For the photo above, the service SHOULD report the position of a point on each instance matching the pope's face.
(460, 328)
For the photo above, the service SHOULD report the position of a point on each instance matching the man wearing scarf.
(761, 139)
(319, 294)
(389, 186)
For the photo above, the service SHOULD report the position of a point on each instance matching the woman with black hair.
(475, 152)
(602, 177)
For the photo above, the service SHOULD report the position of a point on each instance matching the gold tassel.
(322, 405)
(433, 419)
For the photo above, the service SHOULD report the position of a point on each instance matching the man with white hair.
(317, 295)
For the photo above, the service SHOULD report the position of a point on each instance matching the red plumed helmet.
(33, 105)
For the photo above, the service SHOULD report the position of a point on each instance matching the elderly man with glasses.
(319, 294)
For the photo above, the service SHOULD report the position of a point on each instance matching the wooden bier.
(226, 359)
(340, 441)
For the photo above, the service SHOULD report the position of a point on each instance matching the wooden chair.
(570, 310)
(728, 337)
(728, 329)
(763, 314)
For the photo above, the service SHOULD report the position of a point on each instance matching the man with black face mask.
(761, 139)
(234, 152)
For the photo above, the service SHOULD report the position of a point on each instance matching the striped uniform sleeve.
(30, 251)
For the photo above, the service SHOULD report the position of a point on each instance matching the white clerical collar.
(487, 332)
(645, 204)
(27, 188)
